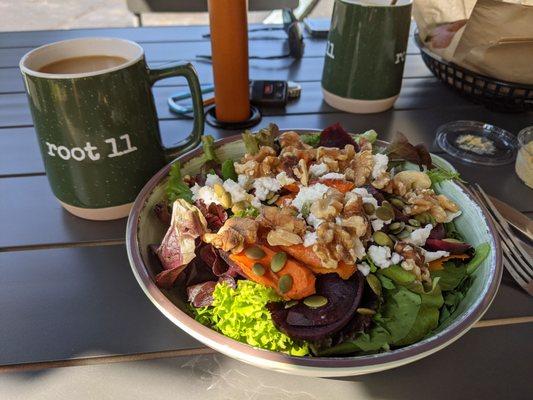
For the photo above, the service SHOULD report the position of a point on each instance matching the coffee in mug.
(96, 122)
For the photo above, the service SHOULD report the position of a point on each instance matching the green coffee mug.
(98, 131)
(365, 54)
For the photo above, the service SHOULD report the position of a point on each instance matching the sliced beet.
(201, 294)
(163, 212)
(336, 136)
(438, 232)
(318, 332)
(375, 193)
(449, 245)
(337, 291)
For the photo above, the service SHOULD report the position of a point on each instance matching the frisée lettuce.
(241, 314)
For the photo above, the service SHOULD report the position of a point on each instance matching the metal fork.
(515, 258)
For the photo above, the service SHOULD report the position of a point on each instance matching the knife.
(515, 218)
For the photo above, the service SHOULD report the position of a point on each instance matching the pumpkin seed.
(273, 199)
(254, 252)
(374, 284)
(222, 196)
(278, 261)
(369, 208)
(452, 240)
(397, 203)
(386, 204)
(422, 218)
(285, 283)
(239, 206)
(414, 222)
(290, 304)
(382, 239)
(396, 227)
(365, 311)
(384, 213)
(315, 301)
(404, 234)
(258, 269)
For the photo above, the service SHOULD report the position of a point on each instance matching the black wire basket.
(494, 94)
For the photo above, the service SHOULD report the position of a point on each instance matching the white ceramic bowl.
(144, 229)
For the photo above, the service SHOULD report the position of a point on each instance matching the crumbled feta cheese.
(380, 255)
(378, 224)
(264, 186)
(211, 179)
(309, 194)
(450, 216)
(364, 268)
(256, 203)
(205, 193)
(419, 236)
(332, 175)
(434, 255)
(314, 221)
(310, 239)
(284, 179)
(380, 165)
(396, 258)
(244, 181)
(367, 197)
(236, 191)
(318, 169)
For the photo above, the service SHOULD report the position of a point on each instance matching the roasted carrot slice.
(284, 201)
(339, 184)
(292, 187)
(439, 264)
(303, 280)
(307, 257)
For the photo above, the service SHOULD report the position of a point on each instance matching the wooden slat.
(31, 215)
(142, 35)
(307, 69)
(61, 304)
(69, 303)
(489, 363)
(415, 94)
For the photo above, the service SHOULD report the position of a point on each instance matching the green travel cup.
(365, 54)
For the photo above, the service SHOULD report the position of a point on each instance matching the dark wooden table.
(68, 297)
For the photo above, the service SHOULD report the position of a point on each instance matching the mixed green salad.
(321, 244)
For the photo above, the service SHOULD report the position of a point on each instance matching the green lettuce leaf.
(228, 171)
(370, 135)
(176, 188)
(438, 175)
(400, 312)
(450, 276)
(482, 252)
(208, 145)
(241, 314)
(312, 139)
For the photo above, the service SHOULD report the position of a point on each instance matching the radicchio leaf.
(214, 214)
(336, 136)
(201, 294)
(163, 213)
(178, 247)
(438, 232)
(401, 150)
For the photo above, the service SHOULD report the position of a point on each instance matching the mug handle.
(189, 73)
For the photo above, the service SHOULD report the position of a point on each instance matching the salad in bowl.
(318, 245)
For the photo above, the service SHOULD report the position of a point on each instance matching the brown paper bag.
(498, 41)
